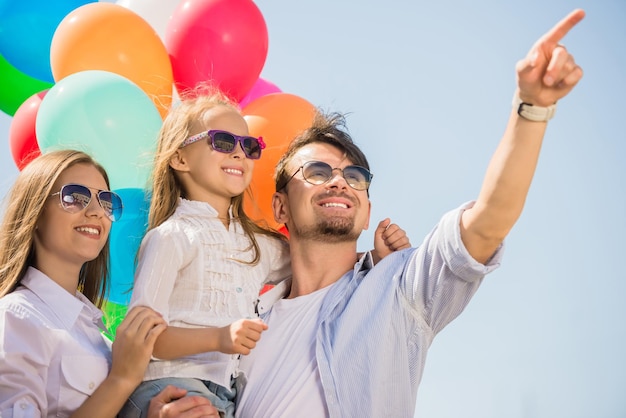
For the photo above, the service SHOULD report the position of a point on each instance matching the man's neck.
(316, 265)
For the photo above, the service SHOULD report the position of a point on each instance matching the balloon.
(22, 137)
(126, 236)
(278, 118)
(261, 88)
(105, 115)
(156, 12)
(109, 37)
(26, 29)
(219, 42)
(114, 314)
(16, 87)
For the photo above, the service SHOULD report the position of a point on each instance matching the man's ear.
(369, 213)
(279, 208)
(178, 161)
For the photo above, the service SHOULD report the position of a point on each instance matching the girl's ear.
(178, 161)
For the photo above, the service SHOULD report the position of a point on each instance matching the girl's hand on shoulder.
(388, 238)
(134, 342)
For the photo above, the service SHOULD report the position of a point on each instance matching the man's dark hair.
(327, 128)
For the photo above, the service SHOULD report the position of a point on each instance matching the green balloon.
(114, 314)
(16, 87)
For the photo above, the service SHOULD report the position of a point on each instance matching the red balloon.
(218, 42)
(22, 137)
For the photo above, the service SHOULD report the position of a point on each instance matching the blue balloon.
(126, 236)
(26, 30)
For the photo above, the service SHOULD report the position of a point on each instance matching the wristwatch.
(532, 112)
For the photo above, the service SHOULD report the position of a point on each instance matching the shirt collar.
(366, 262)
(281, 290)
(67, 307)
(198, 208)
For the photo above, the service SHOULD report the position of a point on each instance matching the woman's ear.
(178, 161)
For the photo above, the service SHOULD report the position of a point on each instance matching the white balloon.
(156, 12)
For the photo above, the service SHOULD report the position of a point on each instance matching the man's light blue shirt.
(377, 322)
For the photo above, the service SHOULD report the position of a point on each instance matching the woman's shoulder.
(21, 305)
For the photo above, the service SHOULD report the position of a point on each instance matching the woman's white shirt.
(53, 354)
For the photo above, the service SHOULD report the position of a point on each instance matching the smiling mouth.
(335, 205)
(90, 231)
(233, 171)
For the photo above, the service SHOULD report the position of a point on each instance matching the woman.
(54, 257)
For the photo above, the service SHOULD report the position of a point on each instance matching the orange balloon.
(109, 37)
(278, 118)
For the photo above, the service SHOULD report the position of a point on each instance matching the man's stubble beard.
(332, 230)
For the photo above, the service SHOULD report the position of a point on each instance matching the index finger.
(561, 29)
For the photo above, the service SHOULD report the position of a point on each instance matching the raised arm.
(544, 76)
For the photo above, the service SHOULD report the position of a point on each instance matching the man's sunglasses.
(226, 142)
(318, 172)
(76, 197)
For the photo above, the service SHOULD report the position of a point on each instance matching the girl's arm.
(237, 338)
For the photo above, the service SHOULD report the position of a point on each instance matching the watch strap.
(532, 112)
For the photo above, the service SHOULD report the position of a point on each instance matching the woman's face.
(65, 240)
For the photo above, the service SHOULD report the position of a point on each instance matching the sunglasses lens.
(75, 197)
(357, 177)
(112, 204)
(252, 148)
(317, 172)
(223, 142)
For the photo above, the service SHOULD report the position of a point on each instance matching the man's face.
(329, 212)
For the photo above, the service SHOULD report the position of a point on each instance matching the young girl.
(54, 258)
(203, 262)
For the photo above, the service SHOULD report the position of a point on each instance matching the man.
(350, 340)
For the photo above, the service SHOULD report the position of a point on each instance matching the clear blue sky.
(428, 86)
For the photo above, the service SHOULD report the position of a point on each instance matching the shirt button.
(23, 405)
(239, 290)
(91, 385)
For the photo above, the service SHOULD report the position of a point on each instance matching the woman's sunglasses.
(226, 142)
(76, 197)
(318, 172)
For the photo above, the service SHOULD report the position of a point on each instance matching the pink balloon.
(260, 88)
(218, 42)
(22, 136)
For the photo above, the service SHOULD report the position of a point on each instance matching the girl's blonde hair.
(26, 201)
(166, 187)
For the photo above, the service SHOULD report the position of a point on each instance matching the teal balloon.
(126, 236)
(107, 116)
(26, 31)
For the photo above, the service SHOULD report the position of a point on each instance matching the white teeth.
(335, 205)
(92, 231)
(233, 171)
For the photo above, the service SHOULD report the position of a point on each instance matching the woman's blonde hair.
(25, 203)
(166, 187)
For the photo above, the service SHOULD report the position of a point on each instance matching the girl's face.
(209, 175)
(65, 240)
